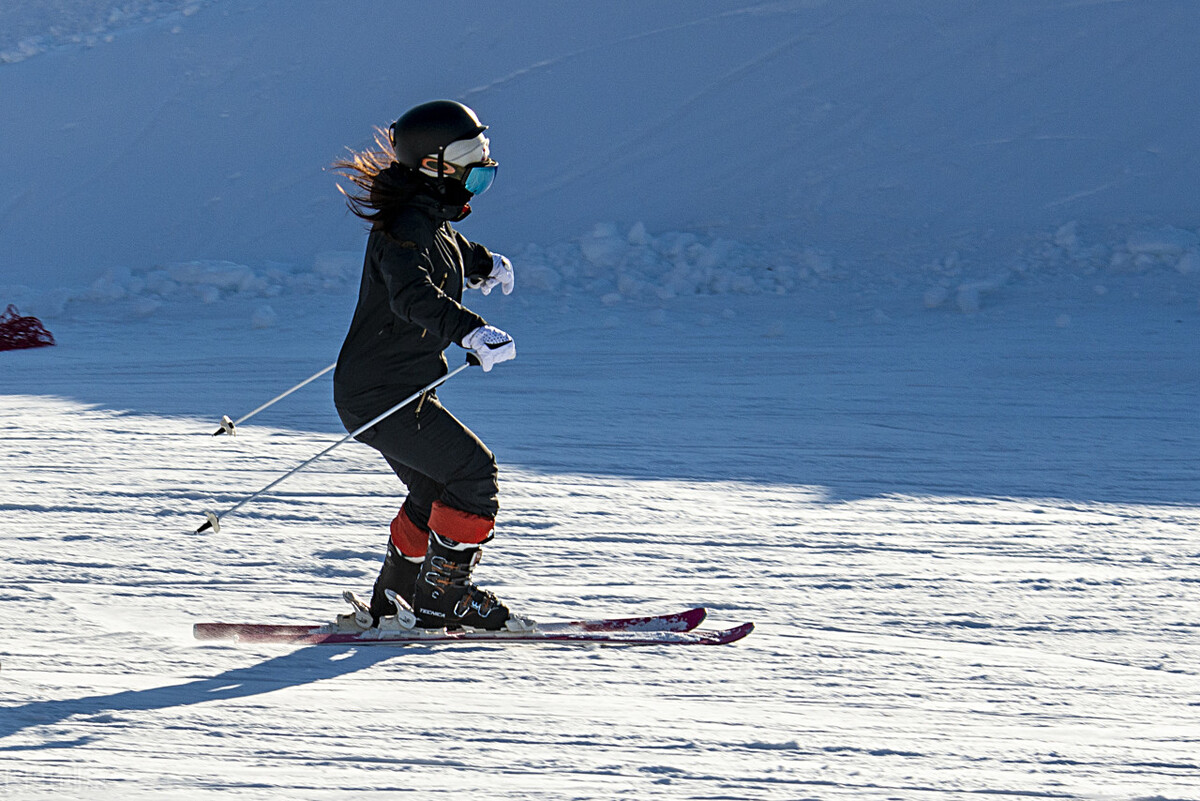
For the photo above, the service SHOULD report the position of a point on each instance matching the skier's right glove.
(490, 345)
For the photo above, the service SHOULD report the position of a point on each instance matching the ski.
(678, 622)
(567, 636)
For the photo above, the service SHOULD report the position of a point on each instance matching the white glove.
(502, 275)
(490, 345)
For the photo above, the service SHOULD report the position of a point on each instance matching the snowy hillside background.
(895, 142)
(873, 322)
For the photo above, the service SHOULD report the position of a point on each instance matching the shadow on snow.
(300, 667)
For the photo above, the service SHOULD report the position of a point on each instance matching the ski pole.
(230, 426)
(214, 520)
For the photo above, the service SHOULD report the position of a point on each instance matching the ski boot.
(446, 597)
(398, 574)
(399, 570)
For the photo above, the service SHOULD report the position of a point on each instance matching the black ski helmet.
(426, 130)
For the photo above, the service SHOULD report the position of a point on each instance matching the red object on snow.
(17, 332)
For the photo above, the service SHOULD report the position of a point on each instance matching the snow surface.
(874, 323)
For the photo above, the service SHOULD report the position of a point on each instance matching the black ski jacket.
(409, 308)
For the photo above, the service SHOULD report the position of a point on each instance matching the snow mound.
(609, 263)
(1148, 255)
(611, 266)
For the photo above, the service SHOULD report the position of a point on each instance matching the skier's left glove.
(501, 275)
(490, 345)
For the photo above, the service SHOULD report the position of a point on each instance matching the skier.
(433, 161)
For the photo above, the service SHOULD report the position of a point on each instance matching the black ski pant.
(436, 456)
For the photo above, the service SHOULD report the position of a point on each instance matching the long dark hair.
(383, 183)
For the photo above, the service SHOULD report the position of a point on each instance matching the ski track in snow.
(911, 644)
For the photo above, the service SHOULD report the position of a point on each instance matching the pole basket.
(17, 332)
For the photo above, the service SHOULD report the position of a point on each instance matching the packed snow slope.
(969, 543)
(880, 132)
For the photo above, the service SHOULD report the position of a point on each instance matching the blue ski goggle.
(479, 177)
